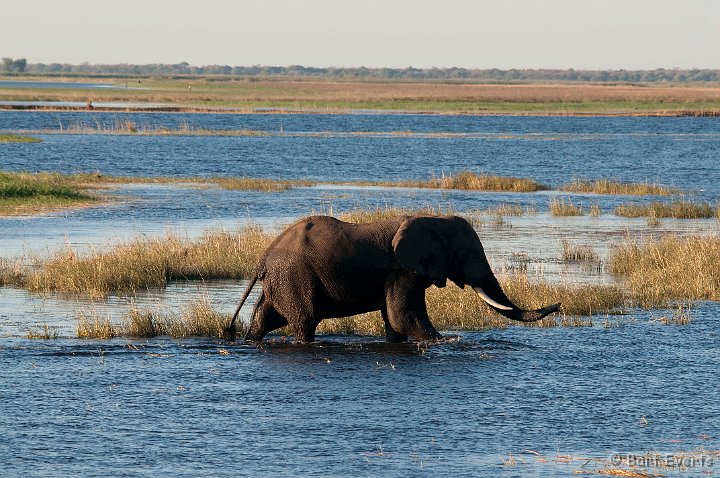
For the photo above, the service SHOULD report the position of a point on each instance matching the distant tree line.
(10, 65)
(296, 71)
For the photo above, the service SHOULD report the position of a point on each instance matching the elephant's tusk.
(490, 302)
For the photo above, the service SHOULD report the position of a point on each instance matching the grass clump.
(196, 319)
(18, 138)
(680, 316)
(91, 326)
(677, 210)
(606, 186)
(506, 209)
(669, 268)
(45, 332)
(578, 253)
(149, 263)
(261, 184)
(485, 182)
(564, 207)
(22, 193)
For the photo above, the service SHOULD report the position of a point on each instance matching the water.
(354, 405)
(83, 104)
(675, 151)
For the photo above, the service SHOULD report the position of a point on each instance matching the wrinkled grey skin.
(321, 268)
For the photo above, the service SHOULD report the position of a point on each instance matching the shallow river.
(512, 402)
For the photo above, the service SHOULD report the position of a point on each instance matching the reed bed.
(610, 187)
(677, 210)
(564, 207)
(148, 263)
(467, 180)
(130, 127)
(262, 184)
(196, 319)
(464, 180)
(670, 268)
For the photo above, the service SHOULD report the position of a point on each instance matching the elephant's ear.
(419, 246)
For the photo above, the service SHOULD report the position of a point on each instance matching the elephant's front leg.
(391, 335)
(406, 309)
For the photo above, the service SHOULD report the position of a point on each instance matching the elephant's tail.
(230, 331)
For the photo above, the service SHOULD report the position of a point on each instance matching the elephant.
(321, 268)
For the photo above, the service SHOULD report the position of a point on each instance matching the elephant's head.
(442, 248)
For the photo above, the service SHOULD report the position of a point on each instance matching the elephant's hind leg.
(265, 319)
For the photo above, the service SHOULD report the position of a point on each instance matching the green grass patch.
(18, 138)
(22, 193)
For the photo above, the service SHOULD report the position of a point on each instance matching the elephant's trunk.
(493, 295)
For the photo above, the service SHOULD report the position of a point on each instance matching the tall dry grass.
(677, 210)
(148, 263)
(578, 253)
(196, 319)
(564, 207)
(669, 268)
(606, 186)
(468, 180)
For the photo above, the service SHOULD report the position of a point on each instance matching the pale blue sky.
(630, 34)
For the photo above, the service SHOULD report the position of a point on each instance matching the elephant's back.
(312, 239)
(327, 246)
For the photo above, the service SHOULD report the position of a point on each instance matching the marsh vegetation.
(22, 193)
(677, 209)
(333, 95)
(18, 138)
(669, 268)
(143, 263)
(607, 186)
(564, 207)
